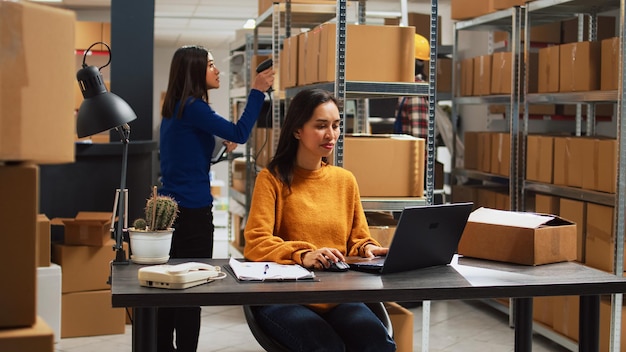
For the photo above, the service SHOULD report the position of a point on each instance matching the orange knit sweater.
(323, 209)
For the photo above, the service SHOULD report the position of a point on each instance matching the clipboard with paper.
(268, 271)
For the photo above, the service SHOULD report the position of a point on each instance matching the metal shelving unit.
(522, 19)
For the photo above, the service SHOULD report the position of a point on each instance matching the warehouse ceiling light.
(101, 111)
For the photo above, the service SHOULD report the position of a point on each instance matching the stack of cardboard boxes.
(36, 127)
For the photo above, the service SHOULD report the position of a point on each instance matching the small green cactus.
(161, 212)
(140, 224)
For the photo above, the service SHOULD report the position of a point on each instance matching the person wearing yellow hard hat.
(412, 112)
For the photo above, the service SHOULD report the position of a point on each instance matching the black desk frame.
(467, 279)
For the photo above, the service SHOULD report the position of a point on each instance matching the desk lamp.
(101, 111)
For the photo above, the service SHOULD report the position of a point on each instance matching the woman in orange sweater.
(305, 211)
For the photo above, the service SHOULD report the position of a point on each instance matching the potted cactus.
(151, 237)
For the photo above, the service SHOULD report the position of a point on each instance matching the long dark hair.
(187, 80)
(300, 111)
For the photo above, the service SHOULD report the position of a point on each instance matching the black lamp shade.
(101, 110)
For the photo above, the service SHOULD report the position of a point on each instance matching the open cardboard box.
(518, 237)
(88, 228)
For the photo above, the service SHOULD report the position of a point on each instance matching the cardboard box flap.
(97, 216)
(509, 218)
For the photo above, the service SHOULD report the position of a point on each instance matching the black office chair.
(271, 345)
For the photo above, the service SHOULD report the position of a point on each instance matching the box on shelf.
(600, 237)
(420, 21)
(467, 77)
(88, 228)
(605, 326)
(470, 153)
(546, 204)
(609, 69)
(38, 337)
(37, 114)
(371, 158)
(565, 319)
(580, 67)
(239, 174)
(605, 29)
(382, 226)
(43, 240)
(402, 322)
(599, 157)
(539, 157)
(482, 75)
(568, 166)
(266, 4)
(49, 297)
(88, 33)
(289, 62)
(397, 43)
(84, 268)
(465, 10)
(90, 313)
(19, 186)
(522, 238)
(576, 211)
(548, 70)
(443, 73)
(500, 153)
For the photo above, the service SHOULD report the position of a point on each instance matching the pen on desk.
(267, 267)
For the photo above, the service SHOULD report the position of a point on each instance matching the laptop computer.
(425, 236)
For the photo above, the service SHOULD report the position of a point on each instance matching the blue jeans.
(347, 327)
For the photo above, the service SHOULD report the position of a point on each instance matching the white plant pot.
(150, 247)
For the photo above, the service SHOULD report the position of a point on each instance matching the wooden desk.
(465, 279)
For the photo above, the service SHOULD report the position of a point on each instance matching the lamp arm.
(120, 254)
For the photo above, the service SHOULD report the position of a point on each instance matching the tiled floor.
(455, 326)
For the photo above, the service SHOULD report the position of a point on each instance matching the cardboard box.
(470, 153)
(239, 174)
(600, 238)
(566, 315)
(397, 43)
(467, 77)
(509, 237)
(402, 154)
(38, 337)
(306, 73)
(580, 67)
(464, 10)
(420, 21)
(264, 5)
(501, 73)
(609, 69)
(263, 146)
(289, 62)
(500, 153)
(88, 228)
(43, 240)
(542, 310)
(484, 151)
(36, 90)
(84, 268)
(402, 322)
(443, 74)
(605, 326)
(482, 75)
(382, 226)
(539, 158)
(605, 29)
(49, 297)
(87, 33)
(19, 186)
(548, 70)
(599, 155)
(545, 204)
(576, 211)
(568, 165)
(90, 314)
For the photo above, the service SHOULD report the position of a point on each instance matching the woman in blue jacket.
(187, 132)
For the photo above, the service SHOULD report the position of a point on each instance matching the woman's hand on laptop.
(371, 251)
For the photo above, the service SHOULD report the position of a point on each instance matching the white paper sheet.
(508, 218)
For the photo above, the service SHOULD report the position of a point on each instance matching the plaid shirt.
(414, 114)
